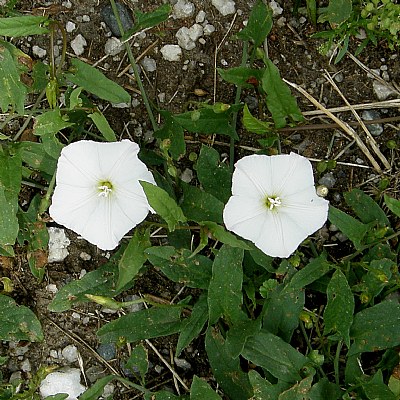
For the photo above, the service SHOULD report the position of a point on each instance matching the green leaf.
(225, 290)
(199, 206)
(208, 121)
(219, 233)
(376, 328)
(101, 282)
(282, 310)
(226, 370)
(193, 325)
(259, 24)
(324, 390)
(314, 270)
(338, 314)
(276, 356)
(138, 360)
(365, 208)
(393, 205)
(147, 20)
(280, 101)
(180, 266)
(50, 122)
(164, 205)
(241, 76)
(92, 80)
(263, 389)
(143, 324)
(299, 391)
(337, 11)
(133, 258)
(103, 126)
(201, 390)
(255, 125)
(214, 176)
(35, 156)
(376, 389)
(23, 26)
(172, 131)
(12, 91)
(10, 184)
(18, 322)
(351, 227)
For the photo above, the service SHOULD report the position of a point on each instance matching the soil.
(297, 57)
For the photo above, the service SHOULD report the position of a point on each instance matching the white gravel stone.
(187, 37)
(53, 354)
(381, 91)
(78, 45)
(171, 52)
(276, 8)
(63, 381)
(85, 256)
(85, 18)
(113, 46)
(187, 175)
(183, 9)
(208, 29)
(38, 51)
(52, 288)
(26, 365)
(149, 64)
(70, 26)
(70, 353)
(225, 7)
(201, 16)
(58, 243)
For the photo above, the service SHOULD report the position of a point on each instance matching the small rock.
(339, 77)
(183, 9)
(327, 180)
(63, 381)
(149, 64)
(110, 20)
(70, 353)
(85, 256)
(78, 45)
(187, 175)
(381, 91)
(53, 354)
(133, 307)
(276, 8)
(188, 36)
(108, 391)
(85, 18)
(94, 373)
(225, 7)
(369, 115)
(70, 26)
(107, 351)
(58, 243)
(171, 52)
(200, 17)
(181, 363)
(158, 369)
(113, 46)
(208, 29)
(38, 51)
(26, 366)
(52, 288)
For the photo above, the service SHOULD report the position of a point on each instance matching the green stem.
(135, 68)
(245, 56)
(336, 361)
(44, 204)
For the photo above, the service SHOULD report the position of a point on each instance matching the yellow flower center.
(104, 188)
(272, 202)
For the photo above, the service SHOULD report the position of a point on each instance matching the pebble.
(208, 29)
(149, 64)
(369, 115)
(171, 52)
(58, 243)
(382, 92)
(94, 373)
(339, 77)
(187, 175)
(85, 18)
(182, 363)
(67, 380)
(200, 17)
(183, 9)
(107, 351)
(110, 20)
(70, 353)
(26, 366)
(38, 51)
(133, 307)
(78, 45)
(85, 256)
(327, 180)
(70, 26)
(276, 8)
(113, 46)
(225, 7)
(52, 288)
(187, 37)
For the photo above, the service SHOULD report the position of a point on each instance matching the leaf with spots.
(338, 315)
(18, 322)
(376, 328)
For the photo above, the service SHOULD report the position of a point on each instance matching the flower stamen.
(105, 188)
(273, 202)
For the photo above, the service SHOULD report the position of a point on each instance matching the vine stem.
(135, 68)
(336, 361)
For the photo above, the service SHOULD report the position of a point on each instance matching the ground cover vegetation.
(247, 299)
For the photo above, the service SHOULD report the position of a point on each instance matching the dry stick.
(370, 138)
(346, 128)
(395, 103)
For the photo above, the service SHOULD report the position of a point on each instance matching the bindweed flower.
(97, 193)
(274, 203)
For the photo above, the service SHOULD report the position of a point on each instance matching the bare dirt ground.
(174, 86)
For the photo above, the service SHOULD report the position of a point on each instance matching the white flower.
(98, 194)
(274, 203)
